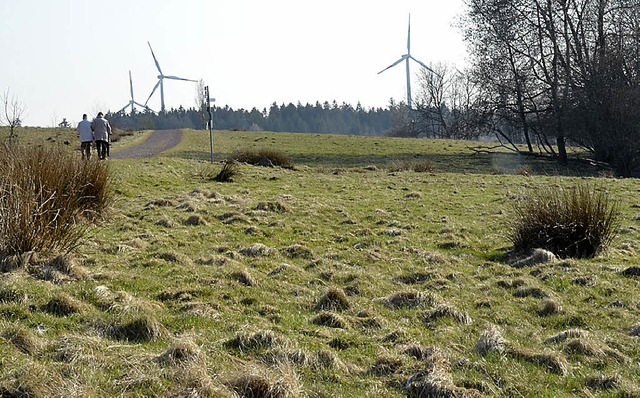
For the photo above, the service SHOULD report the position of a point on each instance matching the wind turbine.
(406, 57)
(161, 78)
(132, 102)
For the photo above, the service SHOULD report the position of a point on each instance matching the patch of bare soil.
(158, 142)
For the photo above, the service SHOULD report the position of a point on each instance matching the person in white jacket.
(101, 132)
(86, 137)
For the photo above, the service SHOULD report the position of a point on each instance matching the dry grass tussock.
(64, 305)
(81, 350)
(22, 339)
(538, 256)
(262, 157)
(445, 311)
(255, 381)
(409, 299)
(329, 319)
(257, 341)
(275, 207)
(334, 299)
(45, 195)
(243, 277)
(435, 380)
(258, 250)
(181, 352)
(298, 251)
(578, 223)
(121, 302)
(138, 329)
(27, 380)
(491, 341)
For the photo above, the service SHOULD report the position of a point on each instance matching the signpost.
(209, 101)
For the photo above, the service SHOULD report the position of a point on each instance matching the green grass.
(232, 301)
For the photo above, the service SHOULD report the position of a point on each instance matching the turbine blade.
(131, 85)
(124, 107)
(425, 66)
(394, 64)
(180, 78)
(154, 58)
(409, 36)
(153, 91)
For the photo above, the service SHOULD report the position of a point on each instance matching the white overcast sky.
(63, 58)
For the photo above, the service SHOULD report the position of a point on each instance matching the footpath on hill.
(158, 142)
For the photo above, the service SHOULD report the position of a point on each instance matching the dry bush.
(423, 166)
(579, 222)
(262, 157)
(332, 300)
(44, 196)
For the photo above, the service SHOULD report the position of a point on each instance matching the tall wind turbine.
(132, 101)
(161, 78)
(406, 57)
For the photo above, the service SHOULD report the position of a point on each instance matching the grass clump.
(229, 170)
(44, 195)
(577, 222)
(262, 157)
(333, 299)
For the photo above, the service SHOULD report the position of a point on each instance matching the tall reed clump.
(45, 197)
(577, 222)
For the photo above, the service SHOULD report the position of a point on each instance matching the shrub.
(44, 194)
(229, 170)
(262, 157)
(578, 222)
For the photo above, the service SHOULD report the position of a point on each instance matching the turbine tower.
(406, 57)
(132, 101)
(160, 82)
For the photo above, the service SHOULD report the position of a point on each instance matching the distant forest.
(319, 118)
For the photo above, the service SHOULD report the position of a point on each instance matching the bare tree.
(13, 111)
(562, 70)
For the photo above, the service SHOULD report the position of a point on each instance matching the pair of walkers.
(97, 130)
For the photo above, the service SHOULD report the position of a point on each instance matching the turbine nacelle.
(406, 57)
(160, 82)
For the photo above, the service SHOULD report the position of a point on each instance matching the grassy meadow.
(348, 275)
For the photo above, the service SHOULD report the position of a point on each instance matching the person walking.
(101, 132)
(86, 137)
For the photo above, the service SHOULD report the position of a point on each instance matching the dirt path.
(158, 142)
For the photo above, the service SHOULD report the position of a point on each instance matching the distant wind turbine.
(406, 57)
(132, 102)
(161, 78)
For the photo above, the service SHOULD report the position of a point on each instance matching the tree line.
(318, 118)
